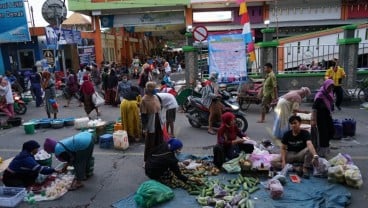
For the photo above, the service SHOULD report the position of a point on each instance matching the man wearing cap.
(162, 161)
(210, 100)
(24, 169)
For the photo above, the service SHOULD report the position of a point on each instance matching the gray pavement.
(119, 173)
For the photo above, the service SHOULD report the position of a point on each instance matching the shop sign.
(156, 18)
(49, 56)
(13, 22)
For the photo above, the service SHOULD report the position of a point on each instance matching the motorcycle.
(198, 114)
(19, 105)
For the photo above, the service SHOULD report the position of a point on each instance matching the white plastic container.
(121, 140)
(81, 123)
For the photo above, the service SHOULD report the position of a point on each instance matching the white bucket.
(81, 123)
(121, 141)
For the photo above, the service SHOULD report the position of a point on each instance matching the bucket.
(338, 129)
(118, 126)
(121, 140)
(29, 128)
(348, 127)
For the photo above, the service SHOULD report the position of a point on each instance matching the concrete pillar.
(348, 55)
(268, 49)
(191, 68)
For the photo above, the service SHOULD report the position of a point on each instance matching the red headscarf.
(87, 86)
(226, 131)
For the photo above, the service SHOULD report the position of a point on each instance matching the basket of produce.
(11, 196)
(69, 121)
(57, 124)
(16, 121)
(43, 158)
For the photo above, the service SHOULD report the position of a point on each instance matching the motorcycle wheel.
(20, 108)
(241, 123)
(193, 123)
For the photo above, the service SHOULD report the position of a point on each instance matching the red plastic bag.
(165, 134)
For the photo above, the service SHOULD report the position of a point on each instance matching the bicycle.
(360, 92)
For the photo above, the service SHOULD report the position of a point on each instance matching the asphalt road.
(119, 173)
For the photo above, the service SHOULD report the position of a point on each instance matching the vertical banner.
(227, 57)
(243, 11)
(13, 22)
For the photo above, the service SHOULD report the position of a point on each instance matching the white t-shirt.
(168, 101)
(167, 69)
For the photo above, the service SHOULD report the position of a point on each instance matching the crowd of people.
(141, 110)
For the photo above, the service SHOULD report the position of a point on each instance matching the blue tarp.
(311, 193)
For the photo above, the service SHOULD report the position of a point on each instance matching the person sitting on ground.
(77, 151)
(162, 161)
(23, 170)
(230, 140)
(297, 147)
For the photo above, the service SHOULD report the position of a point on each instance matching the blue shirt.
(75, 143)
(25, 162)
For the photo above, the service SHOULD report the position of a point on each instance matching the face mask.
(125, 80)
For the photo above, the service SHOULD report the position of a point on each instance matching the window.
(213, 16)
(26, 59)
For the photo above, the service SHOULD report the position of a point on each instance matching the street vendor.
(76, 151)
(23, 170)
(230, 140)
(297, 147)
(162, 161)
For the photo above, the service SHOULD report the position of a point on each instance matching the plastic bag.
(322, 169)
(233, 166)
(353, 177)
(277, 190)
(259, 160)
(339, 159)
(336, 174)
(97, 99)
(151, 193)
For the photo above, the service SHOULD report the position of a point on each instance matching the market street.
(119, 173)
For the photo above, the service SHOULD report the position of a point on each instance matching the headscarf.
(227, 118)
(87, 86)
(49, 145)
(30, 145)
(174, 144)
(323, 94)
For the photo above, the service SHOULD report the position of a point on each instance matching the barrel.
(106, 141)
(349, 127)
(338, 129)
(29, 128)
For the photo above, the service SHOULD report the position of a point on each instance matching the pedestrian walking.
(48, 85)
(35, 80)
(337, 74)
(71, 88)
(269, 91)
(86, 91)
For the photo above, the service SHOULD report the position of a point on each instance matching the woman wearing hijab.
(162, 161)
(230, 140)
(71, 88)
(6, 98)
(129, 110)
(150, 115)
(48, 85)
(87, 91)
(24, 169)
(287, 106)
(111, 88)
(77, 151)
(144, 77)
(322, 118)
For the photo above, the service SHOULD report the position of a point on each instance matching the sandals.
(211, 132)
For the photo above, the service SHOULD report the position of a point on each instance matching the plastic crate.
(11, 196)
(106, 141)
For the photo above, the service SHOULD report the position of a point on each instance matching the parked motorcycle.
(19, 106)
(198, 114)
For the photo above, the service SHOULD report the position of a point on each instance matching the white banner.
(157, 18)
